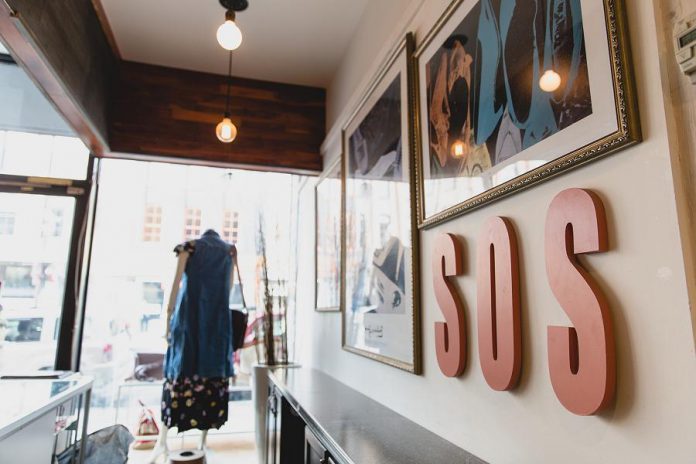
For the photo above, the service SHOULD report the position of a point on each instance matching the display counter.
(313, 418)
(42, 418)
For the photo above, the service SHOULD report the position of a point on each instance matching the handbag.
(148, 431)
(240, 315)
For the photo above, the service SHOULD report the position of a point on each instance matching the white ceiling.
(292, 41)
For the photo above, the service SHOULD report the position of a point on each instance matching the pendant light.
(229, 36)
(226, 131)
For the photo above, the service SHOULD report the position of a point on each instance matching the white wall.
(654, 418)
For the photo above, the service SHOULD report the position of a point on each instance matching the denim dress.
(199, 361)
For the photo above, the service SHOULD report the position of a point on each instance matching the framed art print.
(328, 239)
(514, 92)
(380, 261)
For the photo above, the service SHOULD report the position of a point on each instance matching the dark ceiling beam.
(62, 48)
(165, 112)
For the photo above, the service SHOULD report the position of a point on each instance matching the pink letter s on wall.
(498, 302)
(582, 359)
(450, 337)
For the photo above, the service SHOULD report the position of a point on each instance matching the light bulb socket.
(236, 5)
(230, 15)
(227, 114)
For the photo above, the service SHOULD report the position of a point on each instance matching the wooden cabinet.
(315, 452)
(273, 422)
(284, 431)
(314, 419)
(289, 440)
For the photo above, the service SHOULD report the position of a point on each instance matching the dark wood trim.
(85, 262)
(80, 190)
(69, 334)
(106, 27)
(210, 163)
(28, 47)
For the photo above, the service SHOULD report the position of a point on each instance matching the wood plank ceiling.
(137, 111)
(173, 113)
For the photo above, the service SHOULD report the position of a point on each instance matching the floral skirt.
(195, 403)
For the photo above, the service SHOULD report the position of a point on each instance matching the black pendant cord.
(227, 101)
(229, 84)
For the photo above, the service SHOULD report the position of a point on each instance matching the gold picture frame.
(400, 342)
(333, 172)
(626, 133)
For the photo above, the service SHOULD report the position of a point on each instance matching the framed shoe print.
(511, 93)
(380, 237)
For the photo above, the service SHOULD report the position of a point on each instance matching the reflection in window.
(192, 223)
(53, 223)
(230, 226)
(24, 330)
(153, 293)
(7, 223)
(153, 223)
(17, 279)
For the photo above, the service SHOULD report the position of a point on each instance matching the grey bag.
(108, 446)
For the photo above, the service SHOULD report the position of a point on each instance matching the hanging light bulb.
(550, 81)
(229, 36)
(226, 131)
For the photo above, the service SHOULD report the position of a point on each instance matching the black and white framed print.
(380, 263)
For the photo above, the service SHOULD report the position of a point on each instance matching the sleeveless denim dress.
(198, 362)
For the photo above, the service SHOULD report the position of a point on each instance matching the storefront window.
(133, 266)
(35, 229)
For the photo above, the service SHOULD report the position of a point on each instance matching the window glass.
(28, 154)
(34, 138)
(34, 246)
(133, 266)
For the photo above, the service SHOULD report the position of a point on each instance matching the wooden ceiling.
(161, 111)
(136, 111)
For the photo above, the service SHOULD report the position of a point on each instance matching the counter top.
(23, 400)
(357, 429)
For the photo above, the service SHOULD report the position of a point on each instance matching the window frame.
(72, 310)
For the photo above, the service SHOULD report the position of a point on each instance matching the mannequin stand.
(162, 449)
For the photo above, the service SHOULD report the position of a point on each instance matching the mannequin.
(190, 382)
